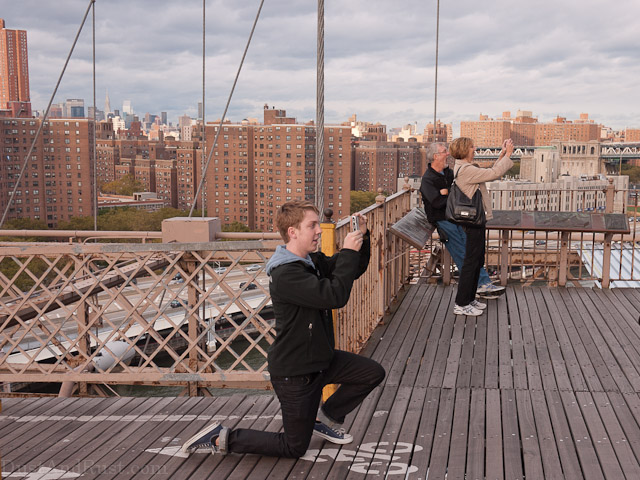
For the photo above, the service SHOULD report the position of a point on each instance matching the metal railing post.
(606, 260)
(564, 259)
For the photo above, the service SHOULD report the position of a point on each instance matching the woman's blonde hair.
(459, 148)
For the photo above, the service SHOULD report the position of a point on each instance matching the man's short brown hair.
(291, 214)
(459, 148)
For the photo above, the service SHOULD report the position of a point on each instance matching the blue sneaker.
(332, 435)
(206, 438)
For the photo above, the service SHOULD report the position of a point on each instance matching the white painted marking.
(380, 413)
(44, 473)
(171, 451)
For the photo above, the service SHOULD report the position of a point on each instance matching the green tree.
(515, 170)
(361, 200)
(124, 186)
(633, 172)
(235, 227)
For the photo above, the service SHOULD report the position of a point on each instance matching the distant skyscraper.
(74, 108)
(107, 105)
(14, 71)
(163, 115)
(126, 107)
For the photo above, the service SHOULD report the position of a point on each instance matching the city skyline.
(380, 69)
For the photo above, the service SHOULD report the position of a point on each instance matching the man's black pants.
(299, 399)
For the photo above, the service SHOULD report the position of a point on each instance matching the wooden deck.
(543, 386)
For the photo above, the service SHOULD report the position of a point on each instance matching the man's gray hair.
(432, 149)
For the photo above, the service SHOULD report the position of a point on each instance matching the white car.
(254, 268)
(220, 270)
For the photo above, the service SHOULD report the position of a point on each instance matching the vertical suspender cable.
(204, 130)
(95, 163)
(435, 100)
(319, 190)
(44, 118)
(224, 114)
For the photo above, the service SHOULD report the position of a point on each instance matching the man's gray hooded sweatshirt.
(303, 292)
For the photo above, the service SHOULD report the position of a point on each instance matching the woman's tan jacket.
(471, 177)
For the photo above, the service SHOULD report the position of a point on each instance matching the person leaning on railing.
(305, 285)
(434, 188)
(469, 178)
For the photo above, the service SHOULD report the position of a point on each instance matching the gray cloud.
(554, 58)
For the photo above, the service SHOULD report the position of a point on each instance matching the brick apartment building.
(377, 165)
(525, 130)
(255, 168)
(58, 179)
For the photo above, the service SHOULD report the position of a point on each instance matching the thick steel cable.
(44, 119)
(319, 190)
(215, 140)
(95, 163)
(435, 100)
(204, 130)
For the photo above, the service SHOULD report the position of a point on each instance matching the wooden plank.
(443, 311)
(526, 364)
(459, 435)
(629, 422)
(546, 440)
(442, 435)
(409, 435)
(478, 361)
(404, 342)
(582, 440)
(599, 437)
(492, 368)
(56, 448)
(538, 310)
(494, 453)
(453, 360)
(46, 406)
(506, 314)
(26, 434)
(512, 444)
(442, 350)
(375, 429)
(529, 438)
(120, 452)
(414, 361)
(574, 341)
(558, 314)
(615, 359)
(224, 466)
(463, 378)
(562, 433)
(578, 312)
(476, 442)
(615, 435)
(426, 435)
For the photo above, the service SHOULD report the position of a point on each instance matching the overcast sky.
(560, 57)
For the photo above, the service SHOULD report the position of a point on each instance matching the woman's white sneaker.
(468, 310)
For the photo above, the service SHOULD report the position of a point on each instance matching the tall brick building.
(14, 73)
(58, 179)
(255, 168)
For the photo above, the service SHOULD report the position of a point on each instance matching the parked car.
(251, 286)
(175, 304)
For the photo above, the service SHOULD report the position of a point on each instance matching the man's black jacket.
(302, 301)
(435, 204)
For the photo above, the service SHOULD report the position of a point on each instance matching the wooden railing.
(193, 315)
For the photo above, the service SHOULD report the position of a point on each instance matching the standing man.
(434, 188)
(305, 285)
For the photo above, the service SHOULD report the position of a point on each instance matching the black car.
(251, 286)
(175, 304)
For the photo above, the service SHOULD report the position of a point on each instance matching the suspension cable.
(95, 163)
(44, 119)
(435, 100)
(319, 190)
(215, 140)
(204, 130)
